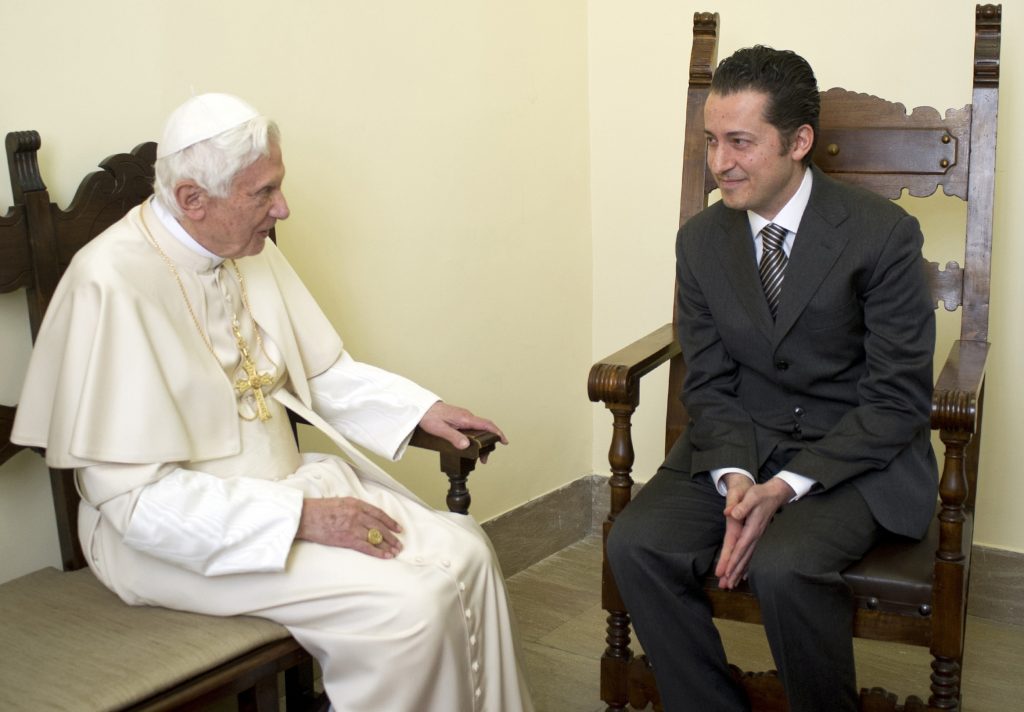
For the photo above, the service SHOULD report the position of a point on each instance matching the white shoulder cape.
(119, 372)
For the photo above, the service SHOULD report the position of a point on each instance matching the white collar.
(792, 212)
(180, 234)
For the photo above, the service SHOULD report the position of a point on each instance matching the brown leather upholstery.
(897, 575)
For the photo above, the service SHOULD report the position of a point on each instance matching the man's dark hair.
(787, 79)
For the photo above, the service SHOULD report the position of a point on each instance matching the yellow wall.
(638, 74)
(437, 175)
(484, 193)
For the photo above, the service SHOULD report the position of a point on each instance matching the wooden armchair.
(914, 593)
(66, 642)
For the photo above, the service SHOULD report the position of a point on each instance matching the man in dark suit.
(808, 334)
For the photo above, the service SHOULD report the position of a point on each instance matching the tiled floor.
(558, 605)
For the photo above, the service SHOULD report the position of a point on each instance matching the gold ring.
(374, 536)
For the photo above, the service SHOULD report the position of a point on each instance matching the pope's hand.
(445, 421)
(348, 522)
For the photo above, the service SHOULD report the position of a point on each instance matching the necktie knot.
(773, 264)
(772, 236)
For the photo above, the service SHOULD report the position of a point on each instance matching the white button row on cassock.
(475, 667)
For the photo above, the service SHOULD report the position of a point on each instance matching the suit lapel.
(735, 249)
(819, 242)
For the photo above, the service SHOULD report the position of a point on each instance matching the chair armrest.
(455, 463)
(481, 442)
(957, 393)
(615, 379)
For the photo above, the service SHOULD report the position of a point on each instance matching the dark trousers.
(665, 542)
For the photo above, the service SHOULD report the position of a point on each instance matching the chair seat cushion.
(68, 643)
(896, 576)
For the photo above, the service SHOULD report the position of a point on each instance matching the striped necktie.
(773, 264)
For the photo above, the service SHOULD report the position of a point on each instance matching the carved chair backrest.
(37, 241)
(874, 143)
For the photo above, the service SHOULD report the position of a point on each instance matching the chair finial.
(987, 36)
(23, 163)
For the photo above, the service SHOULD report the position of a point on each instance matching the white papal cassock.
(191, 503)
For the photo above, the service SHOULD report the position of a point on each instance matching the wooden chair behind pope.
(908, 593)
(66, 642)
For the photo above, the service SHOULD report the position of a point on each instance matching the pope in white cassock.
(163, 370)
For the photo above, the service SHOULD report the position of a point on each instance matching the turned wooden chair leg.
(457, 468)
(617, 657)
(950, 587)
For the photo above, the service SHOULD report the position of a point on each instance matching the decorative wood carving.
(705, 48)
(764, 689)
(987, 36)
(22, 164)
(946, 284)
(126, 179)
(859, 135)
(878, 700)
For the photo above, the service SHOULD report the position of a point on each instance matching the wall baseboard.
(997, 584)
(543, 526)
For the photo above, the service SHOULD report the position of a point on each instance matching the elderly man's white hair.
(209, 140)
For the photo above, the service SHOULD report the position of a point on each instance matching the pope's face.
(754, 167)
(238, 224)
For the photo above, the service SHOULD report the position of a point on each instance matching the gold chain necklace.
(253, 381)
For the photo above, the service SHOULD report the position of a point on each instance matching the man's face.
(238, 224)
(754, 168)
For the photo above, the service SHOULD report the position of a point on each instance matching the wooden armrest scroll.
(457, 464)
(958, 389)
(615, 379)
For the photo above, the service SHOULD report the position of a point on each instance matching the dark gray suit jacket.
(838, 388)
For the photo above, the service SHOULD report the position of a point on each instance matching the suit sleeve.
(721, 433)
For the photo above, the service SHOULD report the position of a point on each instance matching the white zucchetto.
(202, 117)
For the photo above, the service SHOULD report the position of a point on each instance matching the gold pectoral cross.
(253, 381)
